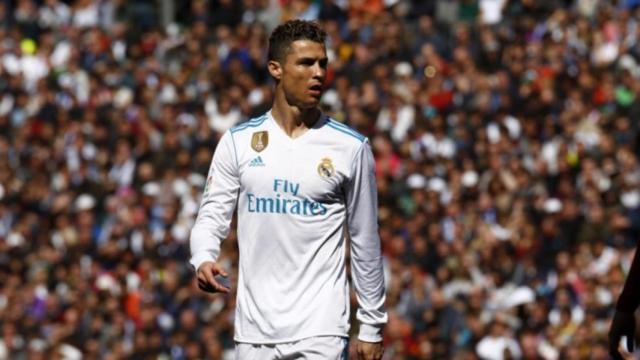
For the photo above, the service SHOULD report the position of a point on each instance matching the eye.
(307, 62)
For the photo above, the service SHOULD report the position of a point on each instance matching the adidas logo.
(256, 162)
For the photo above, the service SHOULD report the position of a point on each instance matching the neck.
(294, 120)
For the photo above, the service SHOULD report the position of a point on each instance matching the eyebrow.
(323, 59)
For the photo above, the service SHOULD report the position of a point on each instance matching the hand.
(623, 324)
(206, 277)
(369, 351)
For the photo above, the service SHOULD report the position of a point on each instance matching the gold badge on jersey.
(259, 140)
(325, 168)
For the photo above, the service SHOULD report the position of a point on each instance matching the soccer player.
(302, 182)
(624, 322)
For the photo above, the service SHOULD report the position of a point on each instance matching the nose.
(319, 72)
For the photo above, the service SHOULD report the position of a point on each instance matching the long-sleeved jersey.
(294, 197)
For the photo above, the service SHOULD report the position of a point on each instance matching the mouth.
(315, 90)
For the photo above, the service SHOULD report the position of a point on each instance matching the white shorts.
(313, 348)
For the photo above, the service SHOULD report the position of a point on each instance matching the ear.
(275, 69)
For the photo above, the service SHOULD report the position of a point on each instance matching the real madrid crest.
(325, 168)
(259, 140)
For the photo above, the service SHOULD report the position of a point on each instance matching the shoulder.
(249, 124)
(343, 133)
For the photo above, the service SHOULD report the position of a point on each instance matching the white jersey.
(294, 197)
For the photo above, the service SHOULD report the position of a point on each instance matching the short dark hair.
(292, 30)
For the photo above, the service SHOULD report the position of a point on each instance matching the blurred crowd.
(506, 142)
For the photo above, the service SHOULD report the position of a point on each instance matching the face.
(301, 76)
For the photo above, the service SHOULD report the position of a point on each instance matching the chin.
(310, 104)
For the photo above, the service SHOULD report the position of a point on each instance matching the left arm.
(366, 256)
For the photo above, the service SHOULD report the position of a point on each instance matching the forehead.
(306, 48)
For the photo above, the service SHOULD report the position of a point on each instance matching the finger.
(220, 276)
(219, 270)
(201, 276)
(359, 351)
(203, 270)
(366, 355)
(210, 279)
(201, 280)
(219, 286)
(204, 286)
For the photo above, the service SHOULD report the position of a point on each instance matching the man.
(624, 322)
(301, 183)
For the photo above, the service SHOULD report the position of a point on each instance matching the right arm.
(624, 322)
(214, 217)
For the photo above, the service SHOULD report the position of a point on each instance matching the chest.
(317, 171)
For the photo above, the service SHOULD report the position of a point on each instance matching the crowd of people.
(505, 138)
